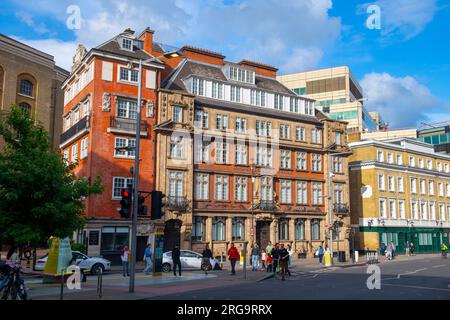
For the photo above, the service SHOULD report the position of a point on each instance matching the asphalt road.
(427, 278)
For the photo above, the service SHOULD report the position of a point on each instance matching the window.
(278, 102)
(241, 125)
(198, 86)
(431, 187)
(432, 211)
(414, 210)
(241, 153)
(391, 184)
(120, 183)
(301, 161)
(421, 165)
(401, 209)
(114, 238)
(441, 189)
(198, 227)
(25, 106)
(383, 208)
(258, 98)
(446, 167)
(76, 116)
(128, 75)
(84, 148)
(447, 189)
(413, 185)
(338, 137)
(422, 186)
(217, 90)
(442, 212)
(399, 159)
(126, 109)
(127, 44)
(235, 94)
(300, 134)
(240, 189)
(201, 151)
(430, 165)
(264, 156)
(176, 149)
(85, 108)
(26, 88)
(266, 188)
(392, 209)
(380, 156)
(175, 184)
(263, 128)
(316, 136)
(423, 210)
(201, 186)
(337, 165)
(283, 227)
(221, 122)
(285, 159)
(75, 152)
(412, 162)
(381, 182)
(316, 162)
(439, 166)
(317, 193)
(300, 229)
(67, 122)
(237, 229)
(285, 131)
(177, 114)
(218, 229)
(201, 119)
(124, 143)
(286, 191)
(222, 188)
(400, 184)
(66, 155)
(338, 193)
(222, 153)
(315, 229)
(390, 158)
(425, 239)
(302, 192)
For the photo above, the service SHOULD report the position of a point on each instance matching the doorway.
(141, 244)
(262, 233)
(172, 234)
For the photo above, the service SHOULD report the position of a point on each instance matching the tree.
(40, 196)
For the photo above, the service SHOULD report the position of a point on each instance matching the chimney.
(147, 37)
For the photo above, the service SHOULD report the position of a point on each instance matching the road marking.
(315, 275)
(439, 266)
(415, 287)
(411, 272)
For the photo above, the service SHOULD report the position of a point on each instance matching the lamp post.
(169, 55)
(253, 212)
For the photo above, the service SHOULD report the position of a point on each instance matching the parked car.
(190, 260)
(92, 264)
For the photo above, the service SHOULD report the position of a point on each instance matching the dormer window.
(127, 44)
(241, 75)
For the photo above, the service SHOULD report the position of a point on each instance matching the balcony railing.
(268, 205)
(177, 203)
(341, 208)
(76, 128)
(127, 125)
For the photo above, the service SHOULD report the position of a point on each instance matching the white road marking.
(439, 266)
(411, 272)
(416, 287)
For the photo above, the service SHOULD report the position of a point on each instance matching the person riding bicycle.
(444, 249)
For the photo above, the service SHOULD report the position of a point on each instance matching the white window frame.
(84, 148)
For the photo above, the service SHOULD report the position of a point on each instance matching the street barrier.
(372, 257)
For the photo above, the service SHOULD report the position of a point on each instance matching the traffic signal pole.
(136, 183)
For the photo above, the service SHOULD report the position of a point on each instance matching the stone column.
(308, 235)
(208, 231)
(229, 226)
(274, 231)
(292, 233)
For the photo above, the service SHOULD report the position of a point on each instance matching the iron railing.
(341, 208)
(76, 128)
(177, 203)
(269, 205)
(127, 124)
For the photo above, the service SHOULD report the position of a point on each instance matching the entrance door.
(172, 235)
(141, 244)
(262, 233)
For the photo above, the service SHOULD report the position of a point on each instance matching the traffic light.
(157, 204)
(142, 210)
(125, 203)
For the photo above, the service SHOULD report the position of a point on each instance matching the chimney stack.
(147, 37)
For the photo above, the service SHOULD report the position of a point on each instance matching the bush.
(78, 247)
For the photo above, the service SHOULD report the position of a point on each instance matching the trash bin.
(341, 256)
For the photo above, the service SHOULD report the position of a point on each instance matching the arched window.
(26, 87)
(218, 229)
(315, 229)
(283, 227)
(25, 106)
(300, 229)
(237, 229)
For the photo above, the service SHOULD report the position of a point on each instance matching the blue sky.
(403, 67)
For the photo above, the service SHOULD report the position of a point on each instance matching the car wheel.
(97, 268)
(166, 267)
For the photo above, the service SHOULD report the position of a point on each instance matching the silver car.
(190, 260)
(94, 265)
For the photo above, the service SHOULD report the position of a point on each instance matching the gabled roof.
(112, 46)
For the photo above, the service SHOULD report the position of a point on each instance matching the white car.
(93, 265)
(189, 260)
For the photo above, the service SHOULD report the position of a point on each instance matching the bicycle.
(11, 283)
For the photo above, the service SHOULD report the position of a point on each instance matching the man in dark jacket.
(275, 257)
(284, 257)
(176, 260)
(206, 259)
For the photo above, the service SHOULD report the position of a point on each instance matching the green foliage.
(78, 247)
(40, 195)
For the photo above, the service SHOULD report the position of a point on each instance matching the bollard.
(356, 253)
(245, 260)
(100, 284)
(62, 285)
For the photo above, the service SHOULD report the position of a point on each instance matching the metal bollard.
(100, 284)
(245, 260)
(61, 295)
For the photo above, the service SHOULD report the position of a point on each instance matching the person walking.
(291, 252)
(148, 259)
(320, 253)
(275, 258)
(269, 247)
(268, 262)
(255, 257)
(263, 259)
(233, 256)
(176, 260)
(389, 251)
(411, 248)
(125, 257)
(407, 248)
(393, 249)
(283, 261)
(206, 259)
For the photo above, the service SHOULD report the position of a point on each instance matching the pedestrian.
(148, 259)
(320, 253)
(12, 256)
(233, 256)
(411, 248)
(389, 251)
(269, 247)
(268, 262)
(444, 251)
(407, 249)
(263, 259)
(291, 252)
(206, 259)
(382, 248)
(283, 261)
(255, 257)
(394, 247)
(176, 260)
(125, 257)
(275, 257)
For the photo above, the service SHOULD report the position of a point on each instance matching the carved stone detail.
(106, 102)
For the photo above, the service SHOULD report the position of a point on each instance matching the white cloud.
(401, 101)
(28, 20)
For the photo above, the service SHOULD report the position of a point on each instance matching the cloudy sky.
(403, 67)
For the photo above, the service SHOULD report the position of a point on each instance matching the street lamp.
(168, 55)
